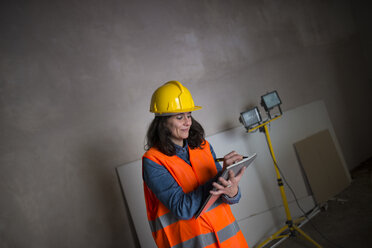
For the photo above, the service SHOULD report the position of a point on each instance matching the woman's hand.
(231, 158)
(229, 187)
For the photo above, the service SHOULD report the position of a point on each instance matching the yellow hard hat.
(172, 98)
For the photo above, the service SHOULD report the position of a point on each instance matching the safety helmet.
(172, 98)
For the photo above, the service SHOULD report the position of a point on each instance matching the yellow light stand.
(291, 227)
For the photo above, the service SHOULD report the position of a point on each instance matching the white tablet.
(225, 174)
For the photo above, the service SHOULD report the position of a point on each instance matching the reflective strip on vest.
(228, 231)
(200, 241)
(162, 221)
(169, 218)
(204, 240)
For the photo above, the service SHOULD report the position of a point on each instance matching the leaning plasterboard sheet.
(323, 166)
(130, 176)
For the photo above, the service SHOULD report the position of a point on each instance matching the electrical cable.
(298, 204)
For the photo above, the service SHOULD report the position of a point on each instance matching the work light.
(270, 101)
(250, 118)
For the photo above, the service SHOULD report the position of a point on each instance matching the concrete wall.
(362, 10)
(76, 78)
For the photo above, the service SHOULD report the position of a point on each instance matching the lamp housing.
(270, 100)
(250, 117)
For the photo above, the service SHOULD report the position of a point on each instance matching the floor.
(346, 220)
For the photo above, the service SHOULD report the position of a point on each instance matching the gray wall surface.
(76, 78)
(362, 15)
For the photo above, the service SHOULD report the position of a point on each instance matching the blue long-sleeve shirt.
(167, 190)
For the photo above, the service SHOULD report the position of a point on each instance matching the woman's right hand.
(229, 187)
(231, 158)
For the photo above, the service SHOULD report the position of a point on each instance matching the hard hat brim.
(176, 111)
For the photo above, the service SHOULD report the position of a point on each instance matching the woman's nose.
(187, 122)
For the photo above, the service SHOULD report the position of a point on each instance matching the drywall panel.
(259, 211)
(323, 167)
(130, 176)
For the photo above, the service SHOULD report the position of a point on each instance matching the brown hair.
(158, 136)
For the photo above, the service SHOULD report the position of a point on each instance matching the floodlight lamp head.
(250, 118)
(270, 101)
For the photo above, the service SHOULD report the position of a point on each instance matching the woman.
(178, 171)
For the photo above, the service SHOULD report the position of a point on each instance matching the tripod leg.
(274, 236)
(306, 236)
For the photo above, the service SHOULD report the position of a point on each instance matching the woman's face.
(179, 126)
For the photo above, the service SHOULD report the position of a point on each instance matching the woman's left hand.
(228, 187)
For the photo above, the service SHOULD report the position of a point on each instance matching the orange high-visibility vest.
(215, 228)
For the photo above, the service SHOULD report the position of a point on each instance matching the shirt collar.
(185, 146)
